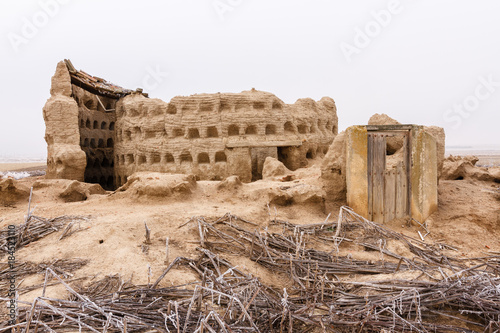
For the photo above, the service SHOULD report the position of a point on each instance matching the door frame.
(384, 131)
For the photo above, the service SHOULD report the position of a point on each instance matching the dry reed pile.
(35, 228)
(448, 294)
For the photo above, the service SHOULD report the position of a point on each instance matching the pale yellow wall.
(424, 192)
(356, 169)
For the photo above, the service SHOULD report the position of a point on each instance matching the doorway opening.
(388, 175)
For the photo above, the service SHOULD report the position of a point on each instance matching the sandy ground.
(22, 166)
(468, 219)
(118, 221)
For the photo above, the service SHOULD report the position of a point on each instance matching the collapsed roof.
(96, 85)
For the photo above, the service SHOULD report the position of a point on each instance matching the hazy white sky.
(431, 62)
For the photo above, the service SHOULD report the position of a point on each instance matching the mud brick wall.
(97, 137)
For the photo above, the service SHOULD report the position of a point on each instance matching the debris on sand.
(323, 295)
(36, 228)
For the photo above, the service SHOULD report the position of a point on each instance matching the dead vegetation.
(329, 292)
(63, 267)
(37, 227)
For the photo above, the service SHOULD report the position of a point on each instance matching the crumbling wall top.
(96, 85)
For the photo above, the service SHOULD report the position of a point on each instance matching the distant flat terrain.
(486, 157)
(4, 167)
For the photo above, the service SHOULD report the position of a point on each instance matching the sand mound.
(154, 184)
(464, 167)
(468, 208)
(67, 190)
(231, 183)
(495, 173)
(274, 169)
(11, 191)
(78, 191)
(284, 195)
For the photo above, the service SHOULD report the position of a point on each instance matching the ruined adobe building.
(101, 133)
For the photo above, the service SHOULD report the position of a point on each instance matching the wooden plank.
(78, 81)
(378, 128)
(102, 105)
(390, 195)
(407, 168)
(379, 150)
(87, 76)
(370, 176)
(402, 191)
(70, 66)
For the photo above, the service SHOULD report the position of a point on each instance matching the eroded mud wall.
(96, 118)
(65, 159)
(103, 137)
(217, 135)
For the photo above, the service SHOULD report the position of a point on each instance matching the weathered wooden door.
(388, 176)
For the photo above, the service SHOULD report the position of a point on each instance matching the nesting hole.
(212, 132)
(233, 130)
(203, 158)
(252, 129)
(270, 129)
